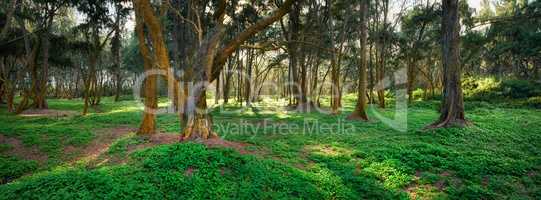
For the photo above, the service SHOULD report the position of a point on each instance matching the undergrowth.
(495, 158)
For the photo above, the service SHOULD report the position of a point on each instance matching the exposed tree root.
(199, 128)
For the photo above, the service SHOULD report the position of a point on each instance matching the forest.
(270, 99)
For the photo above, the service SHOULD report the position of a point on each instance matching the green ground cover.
(290, 155)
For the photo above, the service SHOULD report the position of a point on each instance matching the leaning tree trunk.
(360, 113)
(452, 110)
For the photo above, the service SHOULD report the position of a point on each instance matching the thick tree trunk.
(198, 119)
(452, 110)
(360, 113)
(148, 125)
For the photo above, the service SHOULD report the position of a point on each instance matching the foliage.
(489, 89)
(12, 168)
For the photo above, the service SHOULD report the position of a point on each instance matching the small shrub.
(518, 89)
(534, 102)
(485, 89)
(490, 89)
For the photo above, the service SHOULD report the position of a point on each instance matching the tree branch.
(226, 51)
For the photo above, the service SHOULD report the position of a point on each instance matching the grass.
(298, 156)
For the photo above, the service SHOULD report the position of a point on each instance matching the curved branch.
(226, 51)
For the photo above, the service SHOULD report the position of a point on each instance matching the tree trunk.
(452, 110)
(383, 55)
(359, 113)
(292, 51)
(40, 89)
(227, 82)
(198, 119)
(412, 77)
(148, 124)
(248, 79)
(209, 63)
(116, 46)
(380, 74)
(335, 68)
(90, 81)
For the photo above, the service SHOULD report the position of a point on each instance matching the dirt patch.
(47, 113)
(18, 149)
(100, 145)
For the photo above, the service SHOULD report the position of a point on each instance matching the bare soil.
(18, 149)
(48, 113)
(100, 145)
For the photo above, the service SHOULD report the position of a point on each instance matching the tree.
(97, 19)
(155, 56)
(452, 109)
(209, 63)
(359, 113)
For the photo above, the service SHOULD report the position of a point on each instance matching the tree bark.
(452, 110)
(335, 68)
(145, 17)
(116, 45)
(359, 113)
(40, 89)
(383, 55)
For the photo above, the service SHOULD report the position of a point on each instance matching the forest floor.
(270, 153)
